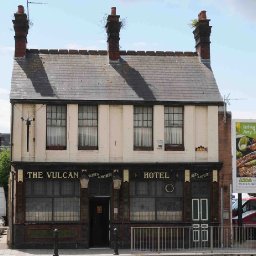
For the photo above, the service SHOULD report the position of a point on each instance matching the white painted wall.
(17, 132)
(116, 133)
(115, 136)
(40, 133)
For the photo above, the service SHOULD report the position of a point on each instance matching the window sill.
(143, 148)
(168, 147)
(56, 148)
(174, 222)
(45, 222)
(87, 148)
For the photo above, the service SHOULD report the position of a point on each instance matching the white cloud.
(243, 114)
(5, 116)
(245, 8)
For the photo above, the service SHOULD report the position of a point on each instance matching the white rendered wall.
(115, 136)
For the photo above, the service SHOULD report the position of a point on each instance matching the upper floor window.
(173, 128)
(143, 128)
(87, 127)
(56, 123)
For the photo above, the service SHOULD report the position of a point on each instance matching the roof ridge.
(104, 52)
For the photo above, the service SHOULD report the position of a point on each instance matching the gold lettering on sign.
(156, 175)
(53, 175)
(40, 175)
(34, 176)
(29, 175)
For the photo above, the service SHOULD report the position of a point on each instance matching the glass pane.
(169, 189)
(39, 188)
(173, 125)
(56, 188)
(204, 209)
(38, 209)
(66, 209)
(132, 188)
(169, 209)
(56, 125)
(142, 209)
(49, 187)
(141, 188)
(88, 126)
(67, 188)
(28, 188)
(143, 137)
(195, 209)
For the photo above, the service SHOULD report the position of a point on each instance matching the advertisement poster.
(244, 156)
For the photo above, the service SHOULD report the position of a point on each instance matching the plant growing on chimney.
(193, 23)
(122, 23)
(104, 21)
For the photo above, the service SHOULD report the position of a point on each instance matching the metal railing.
(192, 237)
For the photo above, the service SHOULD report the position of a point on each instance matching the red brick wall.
(225, 156)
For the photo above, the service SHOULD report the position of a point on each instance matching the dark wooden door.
(99, 222)
(200, 219)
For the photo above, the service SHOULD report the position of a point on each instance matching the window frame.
(52, 197)
(56, 147)
(174, 147)
(89, 147)
(151, 193)
(143, 148)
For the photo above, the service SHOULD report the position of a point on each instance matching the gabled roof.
(72, 75)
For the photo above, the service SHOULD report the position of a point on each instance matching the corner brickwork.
(225, 156)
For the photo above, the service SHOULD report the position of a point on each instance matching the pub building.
(80, 202)
(98, 142)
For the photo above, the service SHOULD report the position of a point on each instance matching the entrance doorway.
(99, 222)
(200, 218)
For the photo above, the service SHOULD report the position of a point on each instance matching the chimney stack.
(202, 34)
(21, 26)
(113, 28)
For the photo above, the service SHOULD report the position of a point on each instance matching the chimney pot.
(202, 34)
(113, 11)
(21, 26)
(20, 9)
(202, 15)
(113, 29)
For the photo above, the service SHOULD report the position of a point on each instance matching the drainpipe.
(13, 175)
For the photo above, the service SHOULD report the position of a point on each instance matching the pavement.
(5, 251)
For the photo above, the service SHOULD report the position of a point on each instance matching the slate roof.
(87, 76)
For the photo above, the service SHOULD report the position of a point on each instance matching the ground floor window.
(52, 200)
(156, 201)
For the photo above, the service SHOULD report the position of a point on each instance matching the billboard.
(244, 156)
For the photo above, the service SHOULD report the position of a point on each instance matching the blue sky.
(159, 25)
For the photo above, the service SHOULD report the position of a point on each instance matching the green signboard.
(244, 152)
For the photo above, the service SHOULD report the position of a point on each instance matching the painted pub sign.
(244, 156)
